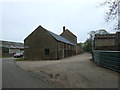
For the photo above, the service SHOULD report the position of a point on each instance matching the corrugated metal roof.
(60, 38)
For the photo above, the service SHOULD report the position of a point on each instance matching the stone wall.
(65, 50)
(107, 42)
(69, 36)
(37, 42)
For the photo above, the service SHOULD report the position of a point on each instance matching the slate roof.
(9, 44)
(57, 37)
(60, 38)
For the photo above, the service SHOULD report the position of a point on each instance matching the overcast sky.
(19, 19)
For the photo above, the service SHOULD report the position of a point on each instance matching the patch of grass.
(20, 59)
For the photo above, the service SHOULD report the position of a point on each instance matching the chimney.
(63, 28)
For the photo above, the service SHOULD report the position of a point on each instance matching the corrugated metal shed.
(60, 38)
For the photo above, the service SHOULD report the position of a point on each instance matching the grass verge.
(20, 59)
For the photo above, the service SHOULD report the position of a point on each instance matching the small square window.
(47, 51)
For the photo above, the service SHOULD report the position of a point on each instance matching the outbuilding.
(43, 44)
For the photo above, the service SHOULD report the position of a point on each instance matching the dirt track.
(73, 72)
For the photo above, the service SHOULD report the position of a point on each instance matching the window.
(47, 51)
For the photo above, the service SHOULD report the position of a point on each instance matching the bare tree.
(113, 12)
(100, 31)
(89, 42)
(113, 9)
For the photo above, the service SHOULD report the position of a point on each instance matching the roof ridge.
(57, 37)
(71, 32)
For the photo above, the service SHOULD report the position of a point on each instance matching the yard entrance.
(73, 72)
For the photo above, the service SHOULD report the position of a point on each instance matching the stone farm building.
(73, 38)
(107, 41)
(106, 50)
(43, 44)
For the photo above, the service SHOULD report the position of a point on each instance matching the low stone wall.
(108, 59)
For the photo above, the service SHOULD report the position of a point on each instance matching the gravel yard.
(73, 72)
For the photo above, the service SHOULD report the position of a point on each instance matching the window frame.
(47, 51)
